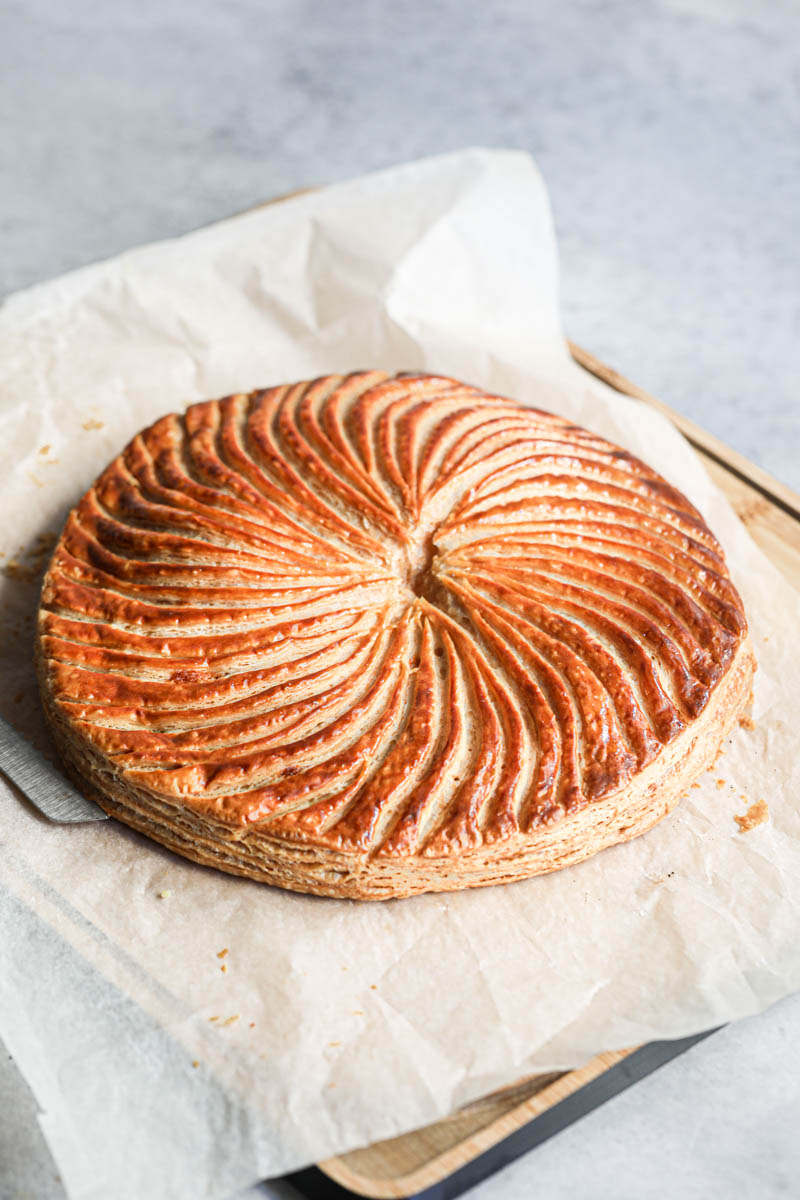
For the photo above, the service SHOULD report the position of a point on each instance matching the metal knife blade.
(43, 784)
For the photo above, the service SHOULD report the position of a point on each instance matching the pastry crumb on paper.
(756, 814)
(35, 556)
(23, 573)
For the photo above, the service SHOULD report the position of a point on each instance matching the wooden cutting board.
(444, 1159)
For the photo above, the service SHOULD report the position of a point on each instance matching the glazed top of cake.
(381, 613)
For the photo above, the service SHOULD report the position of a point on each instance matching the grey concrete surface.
(668, 132)
(27, 1170)
(669, 135)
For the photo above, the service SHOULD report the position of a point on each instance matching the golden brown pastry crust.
(369, 636)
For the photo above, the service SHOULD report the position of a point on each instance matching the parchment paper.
(337, 1023)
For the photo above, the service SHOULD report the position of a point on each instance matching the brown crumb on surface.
(252, 1024)
(373, 987)
(92, 423)
(213, 1018)
(222, 953)
(695, 784)
(756, 814)
(35, 555)
(195, 1063)
(42, 543)
(720, 783)
(232, 1020)
(747, 722)
(22, 572)
(224, 968)
(45, 449)
(334, 1043)
(165, 895)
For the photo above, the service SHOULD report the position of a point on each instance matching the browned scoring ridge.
(369, 635)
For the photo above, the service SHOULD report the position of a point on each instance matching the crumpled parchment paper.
(338, 1023)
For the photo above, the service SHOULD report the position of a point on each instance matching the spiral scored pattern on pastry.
(373, 635)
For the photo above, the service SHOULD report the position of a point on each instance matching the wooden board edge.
(735, 462)
(445, 1163)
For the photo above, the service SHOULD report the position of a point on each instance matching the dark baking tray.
(314, 1184)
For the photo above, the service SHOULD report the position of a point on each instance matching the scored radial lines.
(392, 616)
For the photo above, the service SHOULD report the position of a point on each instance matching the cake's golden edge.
(254, 854)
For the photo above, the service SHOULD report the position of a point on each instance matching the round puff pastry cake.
(374, 635)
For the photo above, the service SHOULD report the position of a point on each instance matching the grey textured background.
(669, 135)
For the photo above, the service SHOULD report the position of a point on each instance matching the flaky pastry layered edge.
(252, 852)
